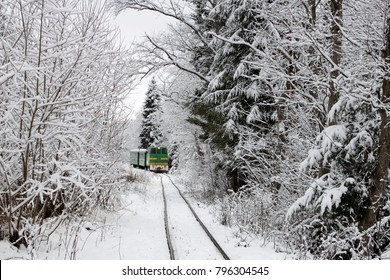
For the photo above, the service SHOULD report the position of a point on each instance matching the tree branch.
(173, 61)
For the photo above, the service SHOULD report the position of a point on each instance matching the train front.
(158, 159)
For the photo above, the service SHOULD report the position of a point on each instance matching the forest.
(277, 112)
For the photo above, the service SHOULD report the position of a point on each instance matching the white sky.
(133, 26)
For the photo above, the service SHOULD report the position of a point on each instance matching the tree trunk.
(336, 8)
(315, 66)
(236, 181)
(313, 11)
(380, 174)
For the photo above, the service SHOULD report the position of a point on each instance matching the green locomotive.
(155, 159)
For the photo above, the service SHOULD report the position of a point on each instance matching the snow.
(4, 78)
(302, 201)
(328, 195)
(9, 252)
(136, 231)
(331, 197)
(215, 83)
(237, 248)
(329, 139)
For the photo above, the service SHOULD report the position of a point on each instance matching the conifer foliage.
(150, 128)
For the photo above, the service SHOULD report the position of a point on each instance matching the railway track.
(181, 214)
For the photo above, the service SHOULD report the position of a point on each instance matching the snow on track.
(189, 240)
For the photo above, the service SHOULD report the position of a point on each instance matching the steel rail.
(168, 235)
(216, 244)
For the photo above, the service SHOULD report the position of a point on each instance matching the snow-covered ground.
(136, 232)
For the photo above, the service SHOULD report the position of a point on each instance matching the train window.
(164, 150)
(153, 151)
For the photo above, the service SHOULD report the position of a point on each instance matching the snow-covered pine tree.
(150, 127)
(232, 93)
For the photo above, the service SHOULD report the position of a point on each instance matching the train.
(154, 158)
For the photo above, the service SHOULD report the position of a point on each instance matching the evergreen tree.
(225, 104)
(150, 128)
